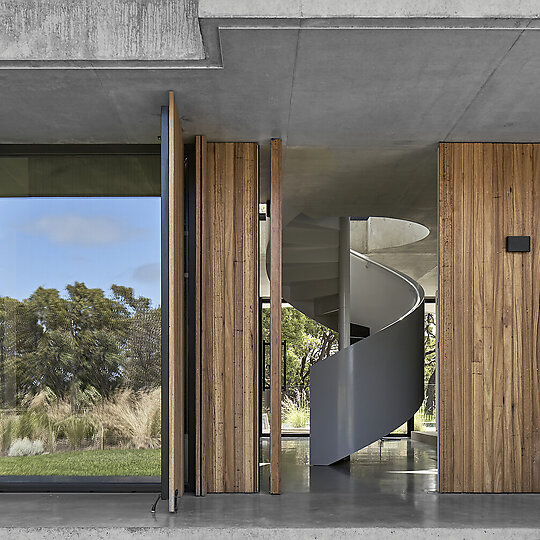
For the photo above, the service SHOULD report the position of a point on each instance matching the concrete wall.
(99, 30)
(376, 233)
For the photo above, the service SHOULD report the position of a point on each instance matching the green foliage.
(127, 419)
(86, 340)
(425, 416)
(81, 370)
(117, 462)
(24, 428)
(155, 426)
(430, 347)
(30, 424)
(295, 411)
(307, 343)
(6, 434)
(143, 362)
(76, 429)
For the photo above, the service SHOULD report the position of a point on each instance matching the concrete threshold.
(203, 533)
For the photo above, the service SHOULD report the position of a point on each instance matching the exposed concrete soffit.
(368, 8)
(211, 29)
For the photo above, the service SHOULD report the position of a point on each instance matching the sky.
(55, 241)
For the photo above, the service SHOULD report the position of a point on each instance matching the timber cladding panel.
(229, 317)
(489, 306)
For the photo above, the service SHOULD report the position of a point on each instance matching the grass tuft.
(116, 462)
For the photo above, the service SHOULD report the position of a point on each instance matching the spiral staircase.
(370, 388)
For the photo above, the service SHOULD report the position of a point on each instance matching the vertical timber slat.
(457, 286)
(535, 356)
(498, 353)
(477, 375)
(528, 322)
(508, 340)
(200, 368)
(446, 206)
(468, 302)
(207, 328)
(488, 306)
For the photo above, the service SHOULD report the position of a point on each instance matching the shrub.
(295, 412)
(155, 429)
(77, 429)
(129, 419)
(25, 447)
(6, 433)
(133, 418)
(30, 425)
(24, 426)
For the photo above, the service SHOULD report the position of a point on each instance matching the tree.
(143, 361)
(307, 343)
(430, 346)
(19, 338)
(83, 341)
(98, 330)
(430, 361)
(51, 356)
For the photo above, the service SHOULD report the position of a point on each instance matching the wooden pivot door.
(172, 343)
(489, 308)
(227, 447)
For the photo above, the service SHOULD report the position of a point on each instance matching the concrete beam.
(86, 30)
(307, 9)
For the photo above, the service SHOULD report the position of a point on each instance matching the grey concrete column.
(344, 314)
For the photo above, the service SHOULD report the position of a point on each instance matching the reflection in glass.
(80, 326)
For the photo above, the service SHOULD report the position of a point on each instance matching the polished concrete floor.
(392, 466)
(385, 489)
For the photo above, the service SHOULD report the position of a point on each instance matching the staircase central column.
(344, 314)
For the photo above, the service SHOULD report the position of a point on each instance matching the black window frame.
(100, 484)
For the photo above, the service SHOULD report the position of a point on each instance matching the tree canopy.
(307, 342)
(82, 340)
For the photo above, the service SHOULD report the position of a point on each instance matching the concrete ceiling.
(360, 109)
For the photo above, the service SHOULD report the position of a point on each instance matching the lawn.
(85, 463)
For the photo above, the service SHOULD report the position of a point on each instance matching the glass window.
(426, 417)
(80, 317)
(305, 342)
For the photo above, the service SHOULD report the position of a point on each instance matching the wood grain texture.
(535, 362)
(489, 303)
(229, 326)
(176, 305)
(275, 315)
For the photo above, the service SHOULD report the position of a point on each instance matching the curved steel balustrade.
(367, 390)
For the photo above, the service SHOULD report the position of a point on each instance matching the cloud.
(81, 230)
(147, 273)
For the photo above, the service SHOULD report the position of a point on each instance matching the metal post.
(344, 314)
